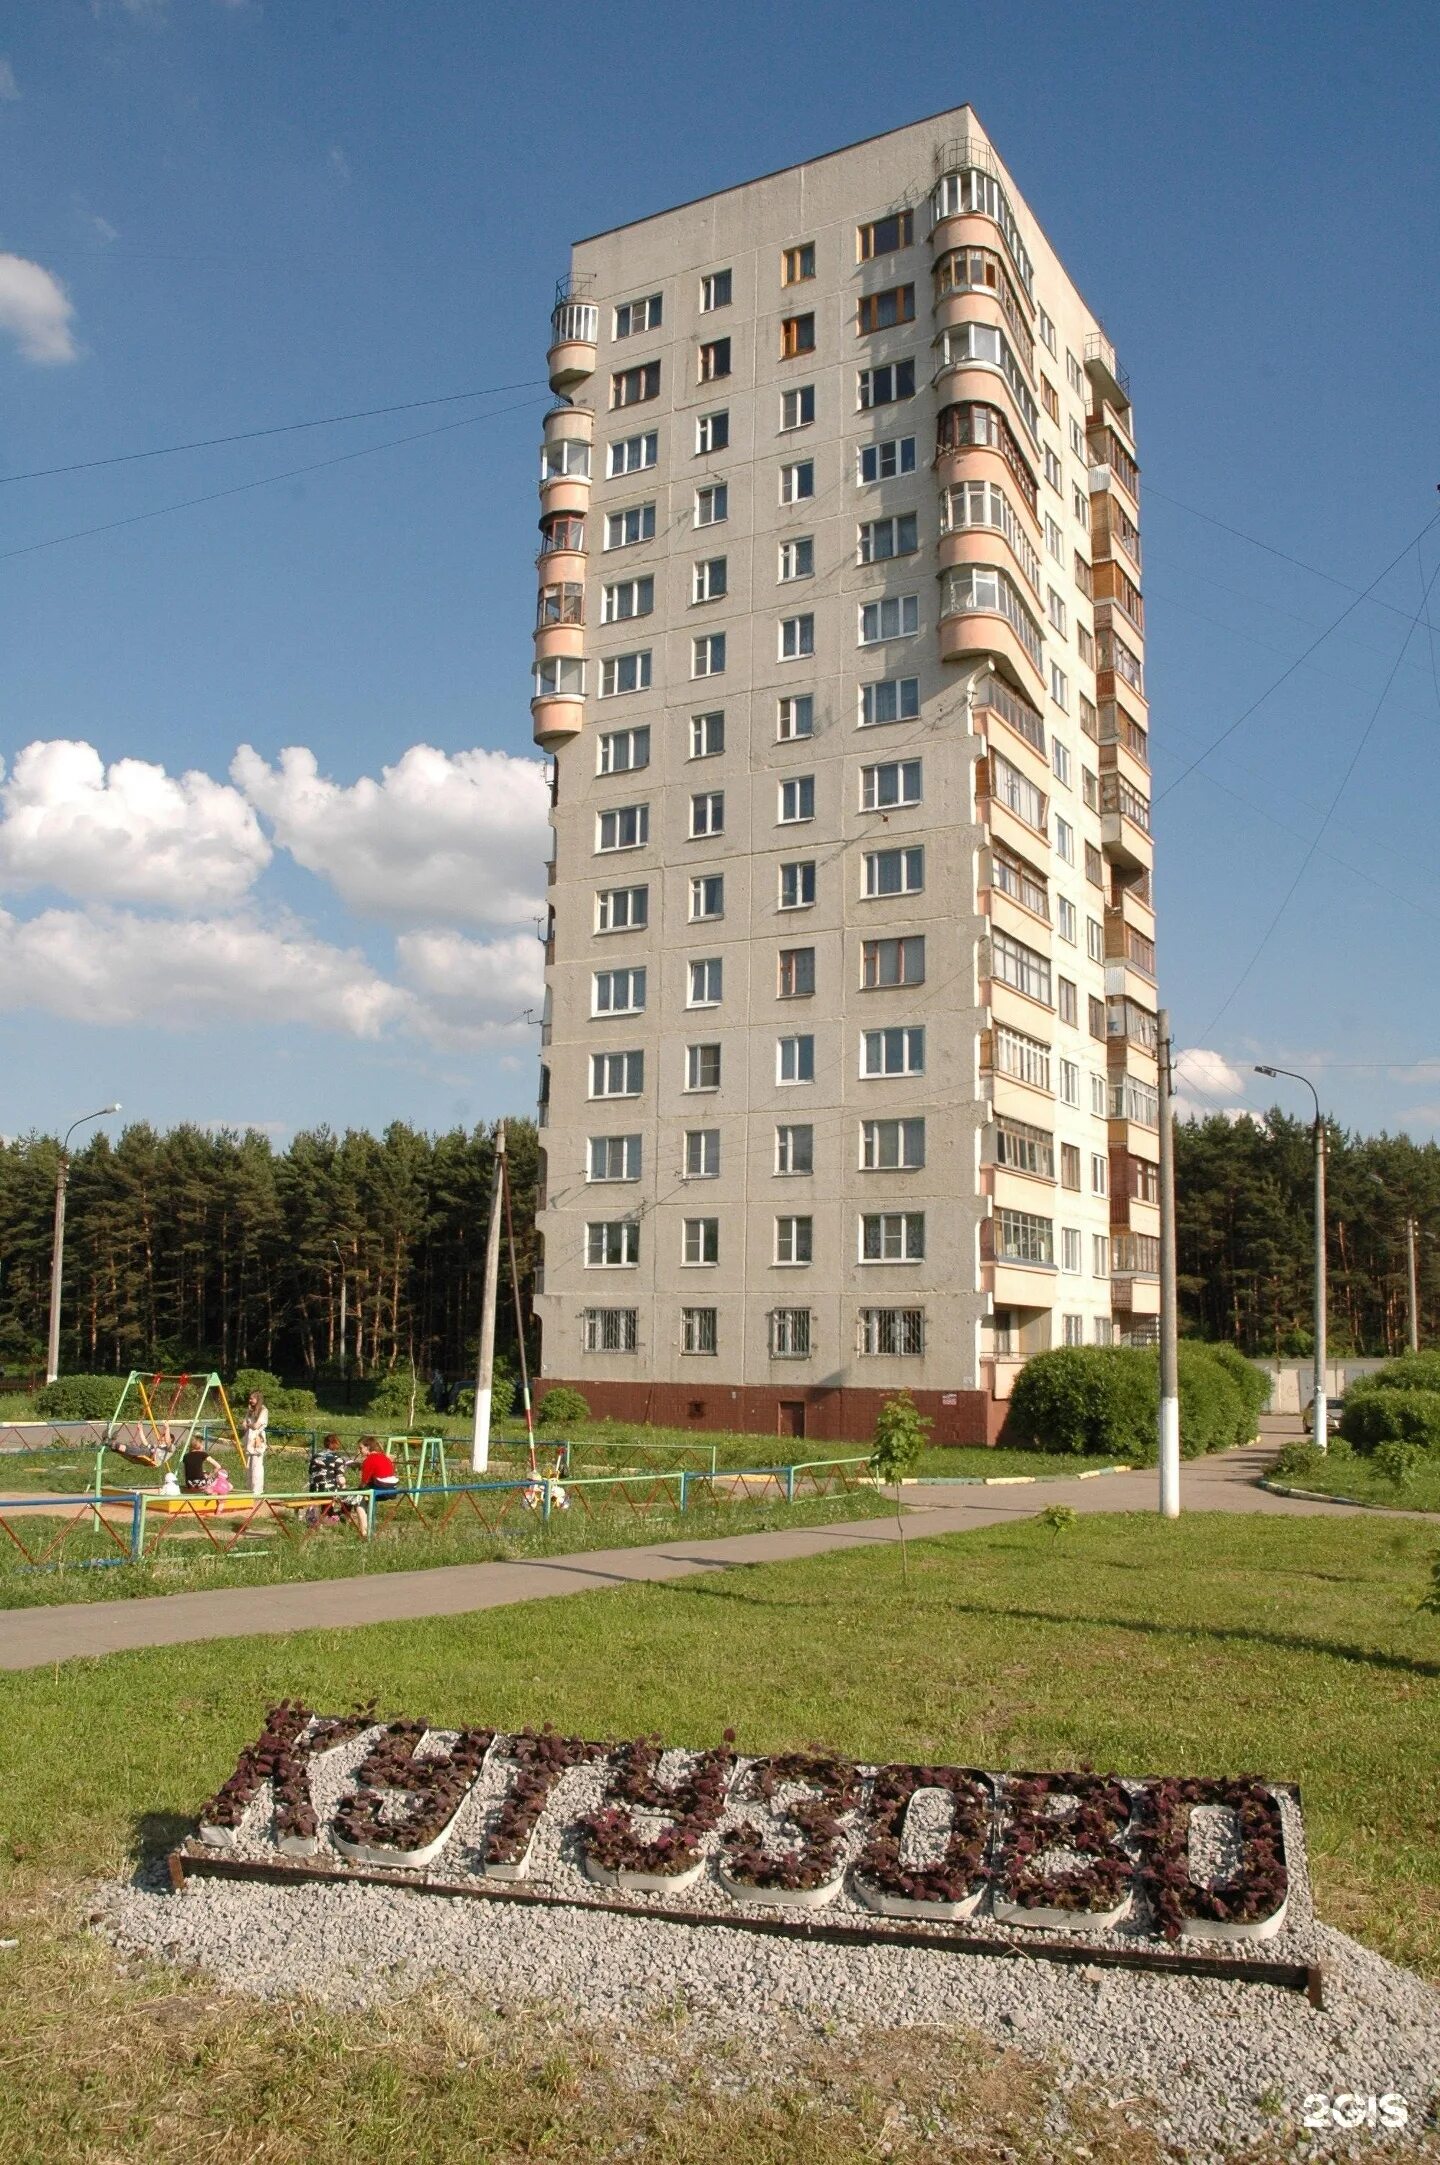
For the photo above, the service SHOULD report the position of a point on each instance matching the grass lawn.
(1223, 1643)
(1360, 1478)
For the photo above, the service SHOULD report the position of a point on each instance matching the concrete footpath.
(31, 1638)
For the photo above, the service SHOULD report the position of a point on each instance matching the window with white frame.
(892, 872)
(698, 1330)
(797, 481)
(890, 1333)
(1069, 1082)
(892, 782)
(707, 655)
(892, 1236)
(1099, 1255)
(700, 1241)
(886, 386)
(624, 673)
(1080, 506)
(612, 1244)
(794, 1240)
(1070, 1175)
(633, 454)
(1023, 1147)
(560, 676)
(1064, 840)
(610, 1330)
(883, 461)
(618, 992)
(1056, 611)
(797, 407)
(1060, 762)
(1075, 374)
(1070, 1250)
(624, 826)
(565, 459)
(614, 1157)
(707, 897)
(877, 540)
(626, 598)
(797, 638)
(707, 735)
(795, 717)
(1077, 440)
(1021, 1236)
(795, 1148)
(1055, 538)
(632, 317)
(707, 813)
(702, 1154)
(712, 504)
(1066, 919)
(1046, 330)
(889, 699)
(892, 1146)
(709, 580)
(1023, 968)
(1067, 1001)
(1095, 939)
(797, 885)
(712, 432)
(795, 1059)
(1016, 791)
(1059, 687)
(702, 1067)
(623, 529)
(617, 1074)
(707, 981)
(622, 751)
(716, 288)
(899, 1051)
(622, 909)
(896, 616)
(1052, 469)
(1022, 1057)
(1073, 1328)
(796, 973)
(790, 1334)
(797, 799)
(797, 558)
(892, 962)
(1104, 1330)
(1099, 1173)
(1099, 1096)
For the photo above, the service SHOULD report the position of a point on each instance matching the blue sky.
(261, 213)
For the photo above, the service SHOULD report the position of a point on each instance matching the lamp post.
(57, 1246)
(1321, 1427)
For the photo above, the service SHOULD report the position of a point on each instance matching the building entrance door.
(792, 1417)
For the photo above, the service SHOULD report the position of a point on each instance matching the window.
(1099, 1173)
(697, 1330)
(1144, 1180)
(561, 676)
(892, 1052)
(889, 699)
(1086, 645)
(893, 872)
(797, 885)
(893, 1236)
(1095, 939)
(1073, 1328)
(617, 1074)
(795, 1150)
(1047, 331)
(716, 288)
(633, 386)
(624, 673)
(797, 336)
(1055, 610)
(618, 992)
(1077, 441)
(984, 503)
(1097, 1017)
(1070, 1250)
(622, 909)
(702, 1067)
(1067, 1002)
(1070, 1170)
(797, 482)
(797, 264)
(614, 1157)
(797, 638)
(707, 978)
(797, 799)
(892, 1333)
(633, 454)
(1094, 866)
(1024, 1149)
(1131, 1099)
(1099, 1097)
(892, 1146)
(707, 735)
(1019, 793)
(1075, 374)
(885, 386)
(712, 504)
(624, 826)
(986, 590)
(971, 344)
(1067, 925)
(628, 597)
(794, 1240)
(1052, 469)
(563, 603)
(1054, 538)
(1024, 1058)
(797, 407)
(1084, 576)
(1022, 1237)
(1049, 398)
(1080, 506)
(1060, 762)
(623, 750)
(707, 655)
(892, 962)
(882, 311)
(795, 1059)
(1104, 1330)
(795, 717)
(1099, 1255)
(632, 317)
(1023, 968)
(789, 1334)
(712, 432)
(714, 360)
(883, 236)
(880, 539)
(707, 897)
(701, 1241)
(609, 1330)
(624, 528)
(1059, 687)
(896, 617)
(896, 781)
(612, 1244)
(1064, 840)
(702, 1153)
(709, 579)
(797, 558)
(884, 460)
(565, 459)
(797, 973)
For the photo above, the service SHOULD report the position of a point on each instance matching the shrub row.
(1398, 1405)
(1105, 1401)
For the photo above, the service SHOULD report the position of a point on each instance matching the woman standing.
(253, 1440)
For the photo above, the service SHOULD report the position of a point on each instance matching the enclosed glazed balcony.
(971, 355)
(971, 513)
(1124, 822)
(557, 709)
(983, 613)
(562, 546)
(574, 334)
(974, 437)
(565, 473)
(963, 273)
(970, 188)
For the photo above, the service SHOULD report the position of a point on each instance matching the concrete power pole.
(1169, 1319)
(485, 1362)
(1412, 1278)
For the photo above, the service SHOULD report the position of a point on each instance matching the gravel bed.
(1201, 2053)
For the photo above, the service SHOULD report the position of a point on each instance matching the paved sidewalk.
(30, 1638)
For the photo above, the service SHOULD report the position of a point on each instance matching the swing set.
(157, 1418)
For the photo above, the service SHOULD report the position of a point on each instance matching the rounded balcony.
(562, 547)
(983, 615)
(554, 639)
(566, 419)
(555, 719)
(574, 333)
(566, 459)
(975, 442)
(976, 515)
(564, 492)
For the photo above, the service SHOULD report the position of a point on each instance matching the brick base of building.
(818, 1413)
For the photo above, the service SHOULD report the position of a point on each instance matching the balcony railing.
(1117, 727)
(971, 426)
(1116, 795)
(1106, 449)
(1123, 943)
(1011, 708)
(1098, 348)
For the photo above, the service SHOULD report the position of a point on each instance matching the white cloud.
(458, 840)
(471, 992)
(36, 311)
(115, 967)
(129, 833)
(9, 88)
(1207, 1083)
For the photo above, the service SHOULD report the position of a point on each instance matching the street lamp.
(57, 1248)
(1321, 1426)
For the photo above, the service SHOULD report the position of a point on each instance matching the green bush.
(247, 1380)
(1300, 1461)
(1411, 1372)
(561, 1404)
(1213, 1412)
(1373, 1417)
(79, 1398)
(284, 1401)
(1251, 1380)
(1396, 1462)
(1105, 1401)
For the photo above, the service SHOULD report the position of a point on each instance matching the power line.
(281, 428)
(240, 487)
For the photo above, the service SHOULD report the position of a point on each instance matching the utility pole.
(344, 1316)
(1320, 1430)
(1169, 1318)
(57, 1243)
(1412, 1278)
(489, 1298)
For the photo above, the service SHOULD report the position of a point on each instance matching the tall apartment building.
(849, 1074)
